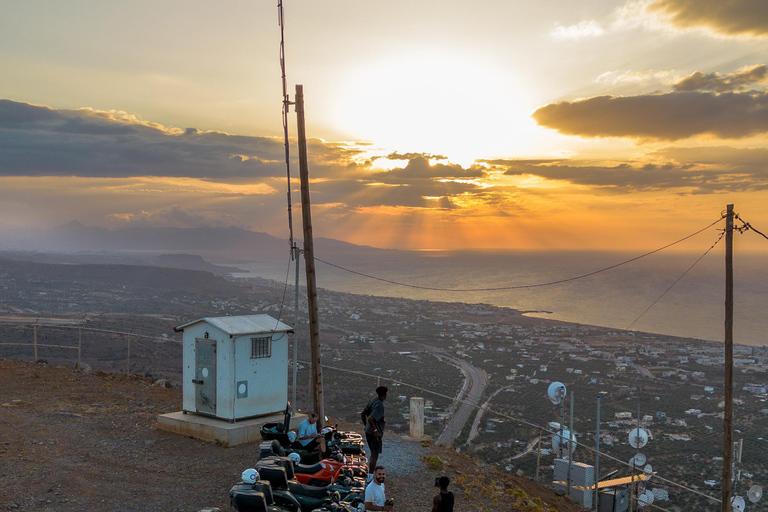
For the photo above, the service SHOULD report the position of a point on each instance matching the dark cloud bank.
(728, 17)
(40, 141)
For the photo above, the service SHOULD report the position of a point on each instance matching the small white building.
(235, 367)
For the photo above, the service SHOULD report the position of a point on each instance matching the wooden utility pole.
(538, 457)
(35, 341)
(728, 420)
(309, 258)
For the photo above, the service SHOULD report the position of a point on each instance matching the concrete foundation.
(222, 431)
(417, 417)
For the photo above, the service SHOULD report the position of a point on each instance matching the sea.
(664, 293)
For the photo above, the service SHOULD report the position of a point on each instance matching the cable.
(285, 287)
(286, 107)
(539, 285)
(750, 226)
(517, 420)
(677, 280)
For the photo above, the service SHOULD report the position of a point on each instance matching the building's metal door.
(205, 376)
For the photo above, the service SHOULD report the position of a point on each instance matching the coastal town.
(672, 387)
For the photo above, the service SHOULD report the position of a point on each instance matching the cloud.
(418, 167)
(726, 17)
(686, 170)
(40, 141)
(583, 29)
(671, 116)
(635, 77)
(173, 216)
(716, 82)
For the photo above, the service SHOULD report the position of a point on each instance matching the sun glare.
(431, 101)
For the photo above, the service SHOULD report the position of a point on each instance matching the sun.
(454, 104)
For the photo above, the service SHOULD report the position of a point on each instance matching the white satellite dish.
(638, 438)
(556, 392)
(648, 469)
(755, 493)
(638, 460)
(563, 443)
(738, 504)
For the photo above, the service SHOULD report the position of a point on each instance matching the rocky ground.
(74, 441)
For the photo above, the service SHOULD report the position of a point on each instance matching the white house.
(235, 367)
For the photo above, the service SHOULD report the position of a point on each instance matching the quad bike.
(333, 468)
(281, 434)
(254, 495)
(278, 471)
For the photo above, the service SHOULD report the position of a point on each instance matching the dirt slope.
(73, 442)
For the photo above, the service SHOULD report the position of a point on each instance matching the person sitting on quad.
(309, 437)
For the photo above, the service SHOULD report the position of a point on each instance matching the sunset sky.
(596, 124)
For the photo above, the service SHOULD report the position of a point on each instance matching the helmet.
(250, 476)
(295, 457)
(292, 437)
(326, 430)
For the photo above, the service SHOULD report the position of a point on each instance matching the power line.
(286, 108)
(750, 226)
(517, 287)
(285, 287)
(677, 280)
(517, 420)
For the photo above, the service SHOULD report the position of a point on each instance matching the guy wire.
(677, 280)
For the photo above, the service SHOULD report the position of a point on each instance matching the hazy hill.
(215, 243)
(117, 275)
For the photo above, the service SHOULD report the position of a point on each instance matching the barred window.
(261, 347)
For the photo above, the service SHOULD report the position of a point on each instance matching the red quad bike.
(334, 469)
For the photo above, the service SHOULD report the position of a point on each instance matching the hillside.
(76, 441)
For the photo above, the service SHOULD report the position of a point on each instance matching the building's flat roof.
(242, 325)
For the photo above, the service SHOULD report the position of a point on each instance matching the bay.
(616, 298)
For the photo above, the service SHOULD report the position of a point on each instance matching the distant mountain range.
(230, 244)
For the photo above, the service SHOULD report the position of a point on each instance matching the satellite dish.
(738, 504)
(562, 444)
(638, 460)
(648, 469)
(556, 392)
(638, 438)
(648, 497)
(755, 493)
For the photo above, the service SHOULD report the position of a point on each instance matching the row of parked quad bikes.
(289, 478)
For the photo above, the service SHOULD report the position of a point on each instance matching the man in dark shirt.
(373, 419)
(443, 502)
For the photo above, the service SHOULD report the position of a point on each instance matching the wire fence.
(66, 341)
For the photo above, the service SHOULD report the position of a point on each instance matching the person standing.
(443, 502)
(375, 497)
(308, 435)
(373, 419)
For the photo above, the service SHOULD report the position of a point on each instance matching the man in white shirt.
(375, 498)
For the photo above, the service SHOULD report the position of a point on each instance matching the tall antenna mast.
(286, 106)
(294, 248)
